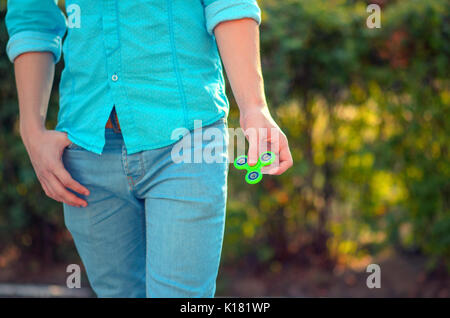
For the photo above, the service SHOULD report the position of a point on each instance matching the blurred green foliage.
(366, 112)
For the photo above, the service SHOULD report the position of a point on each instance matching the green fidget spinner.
(254, 174)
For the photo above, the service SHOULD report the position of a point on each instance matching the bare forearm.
(238, 43)
(34, 77)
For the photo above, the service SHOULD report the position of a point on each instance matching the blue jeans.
(152, 227)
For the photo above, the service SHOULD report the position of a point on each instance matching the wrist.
(254, 109)
(251, 103)
(30, 130)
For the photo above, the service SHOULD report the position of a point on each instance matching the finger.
(253, 142)
(269, 169)
(66, 138)
(45, 187)
(62, 194)
(285, 160)
(67, 142)
(253, 154)
(66, 179)
(49, 192)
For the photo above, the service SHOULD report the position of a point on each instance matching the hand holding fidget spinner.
(254, 174)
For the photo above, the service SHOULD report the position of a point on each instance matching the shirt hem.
(172, 141)
(144, 147)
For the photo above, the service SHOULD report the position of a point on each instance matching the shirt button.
(115, 77)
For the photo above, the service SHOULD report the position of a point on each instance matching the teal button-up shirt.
(156, 61)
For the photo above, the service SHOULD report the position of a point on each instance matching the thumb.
(253, 139)
(253, 152)
(65, 138)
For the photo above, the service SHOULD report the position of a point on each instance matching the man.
(135, 71)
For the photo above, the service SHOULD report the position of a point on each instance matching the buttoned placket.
(111, 29)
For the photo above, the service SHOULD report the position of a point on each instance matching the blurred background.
(367, 114)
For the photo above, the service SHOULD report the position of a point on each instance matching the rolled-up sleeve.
(217, 11)
(34, 26)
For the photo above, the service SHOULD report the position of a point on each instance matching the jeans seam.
(125, 168)
(142, 172)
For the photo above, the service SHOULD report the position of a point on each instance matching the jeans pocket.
(73, 146)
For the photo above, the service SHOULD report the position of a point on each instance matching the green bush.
(366, 113)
